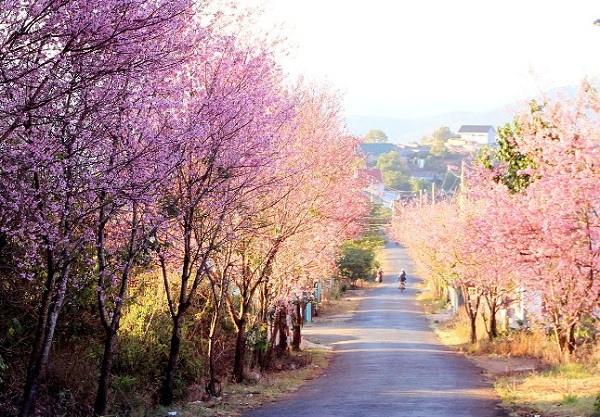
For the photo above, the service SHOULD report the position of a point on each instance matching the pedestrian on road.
(380, 275)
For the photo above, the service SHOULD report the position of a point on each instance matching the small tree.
(376, 136)
(395, 171)
(356, 260)
(397, 180)
(507, 161)
(391, 162)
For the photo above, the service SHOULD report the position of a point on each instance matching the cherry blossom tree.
(557, 231)
(542, 206)
(126, 224)
(68, 68)
(421, 227)
(436, 236)
(234, 107)
(529, 220)
(314, 196)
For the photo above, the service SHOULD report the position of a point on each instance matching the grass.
(563, 390)
(550, 393)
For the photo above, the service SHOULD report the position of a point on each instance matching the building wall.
(484, 138)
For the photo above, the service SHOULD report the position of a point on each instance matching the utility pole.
(461, 193)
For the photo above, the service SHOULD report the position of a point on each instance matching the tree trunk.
(33, 369)
(263, 306)
(566, 341)
(561, 340)
(52, 302)
(240, 351)
(105, 372)
(213, 387)
(280, 328)
(493, 324)
(166, 397)
(487, 325)
(473, 321)
(572, 345)
(110, 323)
(297, 327)
(472, 307)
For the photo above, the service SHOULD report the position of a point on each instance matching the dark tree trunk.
(213, 387)
(473, 320)
(280, 328)
(110, 322)
(566, 341)
(34, 370)
(572, 344)
(297, 327)
(240, 351)
(472, 308)
(105, 372)
(166, 397)
(493, 324)
(52, 302)
(495, 303)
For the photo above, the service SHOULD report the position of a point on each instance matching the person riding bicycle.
(402, 279)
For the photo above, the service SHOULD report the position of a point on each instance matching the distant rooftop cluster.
(469, 136)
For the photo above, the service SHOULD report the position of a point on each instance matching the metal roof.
(475, 128)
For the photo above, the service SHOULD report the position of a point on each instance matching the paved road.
(387, 362)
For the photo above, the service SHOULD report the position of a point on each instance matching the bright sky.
(405, 58)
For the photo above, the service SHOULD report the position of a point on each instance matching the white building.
(481, 134)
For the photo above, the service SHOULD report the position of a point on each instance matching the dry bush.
(72, 379)
(533, 344)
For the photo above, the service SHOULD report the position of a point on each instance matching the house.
(372, 151)
(481, 134)
(373, 178)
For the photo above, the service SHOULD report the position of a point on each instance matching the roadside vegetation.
(525, 369)
(170, 200)
(286, 375)
(515, 258)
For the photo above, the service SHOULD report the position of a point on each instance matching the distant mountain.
(413, 129)
(403, 130)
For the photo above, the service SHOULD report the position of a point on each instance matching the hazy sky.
(403, 58)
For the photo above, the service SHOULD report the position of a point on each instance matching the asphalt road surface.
(388, 362)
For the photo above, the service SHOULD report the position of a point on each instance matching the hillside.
(403, 130)
(412, 130)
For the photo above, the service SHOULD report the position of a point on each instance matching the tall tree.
(396, 174)
(439, 137)
(65, 70)
(314, 193)
(228, 144)
(545, 209)
(558, 219)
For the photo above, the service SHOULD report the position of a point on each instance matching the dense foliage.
(525, 228)
(163, 187)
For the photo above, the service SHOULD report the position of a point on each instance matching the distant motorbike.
(402, 285)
